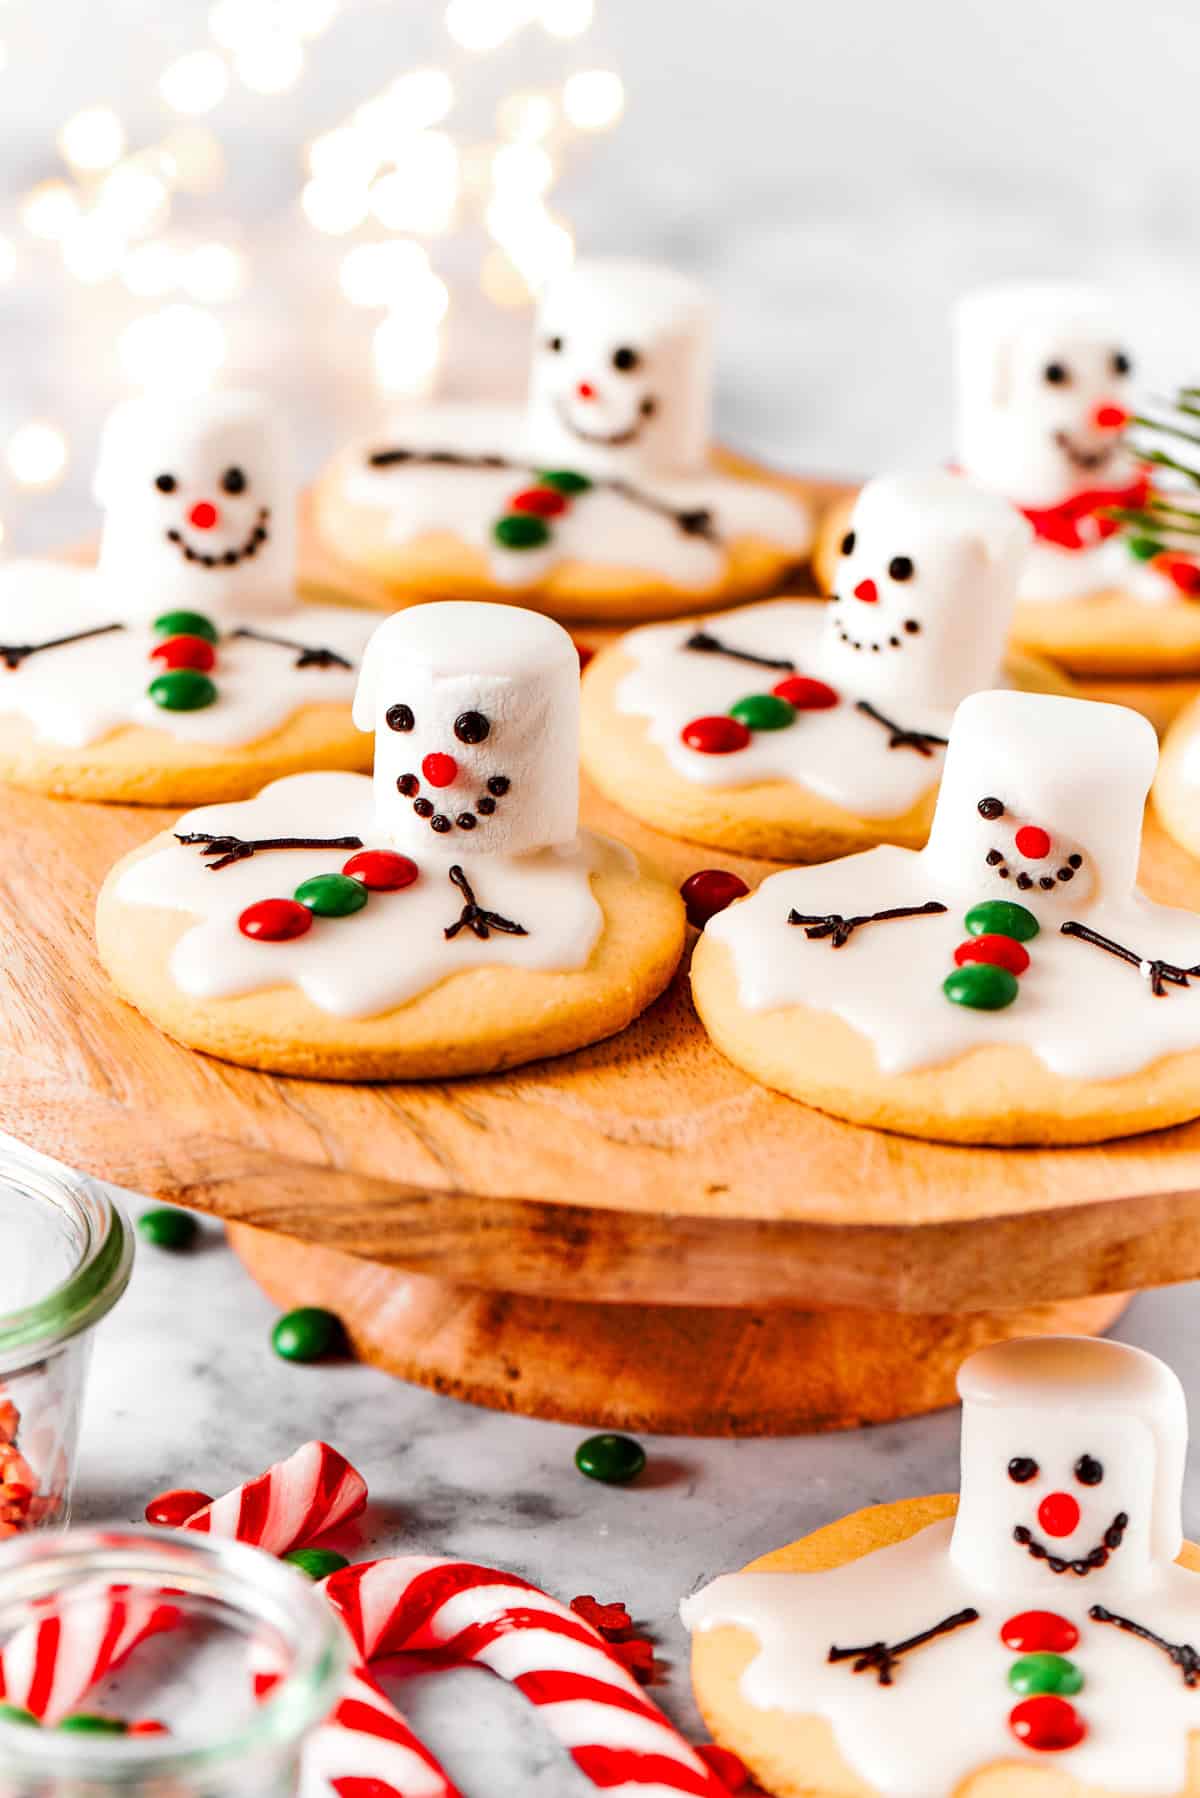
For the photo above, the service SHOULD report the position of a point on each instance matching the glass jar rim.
(183, 1563)
(102, 1267)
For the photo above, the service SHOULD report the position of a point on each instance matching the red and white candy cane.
(462, 1613)
(290, 1504)
(365, 1749)
(50, 1666)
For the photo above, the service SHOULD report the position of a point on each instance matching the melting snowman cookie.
(803, 732)
(1048, 1619)
(603, 498)
(182, 666)
(1008, 983)
(445, 916)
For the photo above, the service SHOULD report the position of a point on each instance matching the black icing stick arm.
(923, 741)
(475, 917)
(1182, 1654)
(310, 655)
(13, 654)
(882, 1658)
(220, 851)
(1160, 974)
(840, 929)
(707, 644)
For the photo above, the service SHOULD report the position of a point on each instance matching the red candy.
(1058, 1514)
(1039, 1632)
(715, 736)
(805, 694)
(275, 920)
(380, 871)
(1047, 1722)
(147, 1726)
(440, 770)
(543, 502)
(1033, 842)
(585, 655)
(1180, 572)
(186, 652)
(996, 951)
(728, 1767)
(171, 1510)
(708, 892)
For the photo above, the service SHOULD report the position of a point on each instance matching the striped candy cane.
(366, 1750)
(463, 1613)
(290, 1504)
(48, 1667)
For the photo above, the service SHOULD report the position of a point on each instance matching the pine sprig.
(1170, 518)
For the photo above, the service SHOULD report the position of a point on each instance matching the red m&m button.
(805, 694)
(543, 502)
(275, 920)
(172, 1509)
(996, 951)
(1039, 1632)
(710, 891)
(380, 871)
(715, 735)
(1047, 1723)
(185, 652)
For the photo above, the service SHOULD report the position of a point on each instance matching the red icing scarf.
(1076, 523)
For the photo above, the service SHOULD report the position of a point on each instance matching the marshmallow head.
(199, 508)
(1041, 801)
(1073, 1453)
(924, 590)
(475, 710)
(1043, 390)
(622, 372)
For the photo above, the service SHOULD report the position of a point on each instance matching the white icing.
(964, 548)
(1053, 574)
(1080, 772)
(946, 1715)
(82, 692)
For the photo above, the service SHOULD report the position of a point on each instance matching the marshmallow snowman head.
(1043, 390)
(1073, 1454)
(199, 508)
(924, 590)
(1041, 801)
(475, 710)
(621, 381)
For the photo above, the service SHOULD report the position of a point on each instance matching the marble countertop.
(169, 1405)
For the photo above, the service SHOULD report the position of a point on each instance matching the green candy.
(307, 1334)
(332, 895)
(182, 690)
(1144, 548)
(185, 624)
(90, 1723)
(13, 1713)
(563, 480)
(1000, 917)
(614, 1460)
(981, 986)
(763, 711)
(317, 1563)
(168, 1229)
(521, 530)
(1044, 1672)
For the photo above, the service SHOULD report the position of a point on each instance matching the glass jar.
(66, 1251)
(223, 1660)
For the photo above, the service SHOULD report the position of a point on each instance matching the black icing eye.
(901, 568)
(625, 360)
(1057, 373)
(848, 542)
(991, 808)
(471, 727)
(1088, 1471)
(166, 483)
(1021, 1470)
(1121, 363)
(399, 717)
(648, 407)
(233, 481)
(554, 343)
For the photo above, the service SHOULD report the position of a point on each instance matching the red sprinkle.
(147, 1726)
(585, 655)
(637, 1657)
(380, 871)
(1058, 1514)
(805, 694)
(543, 502)
(275, 920)
(1032, 841)
(715, 736)
(1047, 1722)
(996, 951)
(186, 652)
(1038, 1632)
(728, 1767)
(172, 1509)
(710, 891)
(1180, 572)
(609, 1619)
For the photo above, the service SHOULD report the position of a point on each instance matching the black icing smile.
(609, 439)
(911, 628)
(997, 863)
(230, 557)
(1089, 460)
(409, 787)
(1114, 1535)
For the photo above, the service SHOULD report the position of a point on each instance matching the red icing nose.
(440, 770)
(1109, 417)
(586, 391)
(868, 592)
(203, 515)
(1032, 842)
(1058, 1514)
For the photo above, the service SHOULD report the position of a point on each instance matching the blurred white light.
(484, 24)
(212, 272)
(8, 258)
(392, 274)
(522, 169)
(49, 210)
(179, 347)
(422, 98)
(311, 17)
(93, 139)
(422, 192)
(538, 245)
(195, 83)
(150, 270)
(92, 249)
(524, 118)
(193, 158)
(230, 21)
(593, 99)
(567, 18)
(344, 155)
(36, 455)
(501, 282)
(3, 65)
(269, 64)
(334, 207)
(405, 359)
(133, 199)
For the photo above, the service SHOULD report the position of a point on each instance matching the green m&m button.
(611, 1459)
(763, 711)
(317, 1563)
(332, 895)
(14, 1713)
(1044, 1672)
(307, 1334)
(1144, 548)
(521, 530)
(182, 690)
(563, 480)
(91, 1723)
(1000, 917)
(185, 624)
(981, 986)
(167, 1229)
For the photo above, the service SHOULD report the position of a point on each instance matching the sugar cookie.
(1006, 984)
(447, 917)
(182, 667)
(1035, 1636)
(602, 499)
(804, 732)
